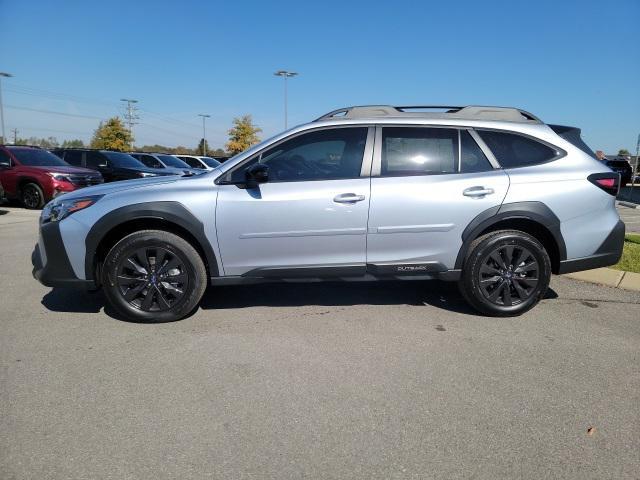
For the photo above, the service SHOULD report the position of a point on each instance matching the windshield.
(34, 157)
(172, 161)
(122, 160)
(211, 162)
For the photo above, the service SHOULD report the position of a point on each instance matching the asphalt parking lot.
(332, 381)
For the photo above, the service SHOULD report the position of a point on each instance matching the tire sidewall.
(174, 244)
(476, 259)
(36, 188)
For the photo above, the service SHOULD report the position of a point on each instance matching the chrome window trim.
(485, 149)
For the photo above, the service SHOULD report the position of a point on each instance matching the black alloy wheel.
(153, 276)
(505, 273)
(32, 196)
(509, 275)
(152, 279)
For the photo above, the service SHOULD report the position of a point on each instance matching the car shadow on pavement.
(443, 295)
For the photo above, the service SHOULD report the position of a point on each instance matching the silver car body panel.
(411, 219)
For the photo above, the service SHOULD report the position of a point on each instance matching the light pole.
(7, 75)
(204, 133)
(285, 74)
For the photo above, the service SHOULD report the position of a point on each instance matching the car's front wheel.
(153, 276)
(32, 196)
(505, 273)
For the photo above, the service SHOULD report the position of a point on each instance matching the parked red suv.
(35, 175)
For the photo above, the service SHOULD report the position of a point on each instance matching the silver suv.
(490, 197)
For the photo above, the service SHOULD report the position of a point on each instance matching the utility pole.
(131, 113)
(6, 75)
(285, 74)
(15, 136)
(204, 133)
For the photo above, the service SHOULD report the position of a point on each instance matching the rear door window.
(95, 159)
(472, 158)
(418, 151)
(73, 157)
(513, 150)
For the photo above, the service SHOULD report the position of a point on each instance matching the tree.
(203, 147)
(75, 143)
(242, 135)
(218, 152)
(623, 152)
(49, 142)
(112, 135)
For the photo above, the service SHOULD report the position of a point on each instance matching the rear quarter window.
(513, 150)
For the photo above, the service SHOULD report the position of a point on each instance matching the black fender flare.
(535, 211)
(172, 212)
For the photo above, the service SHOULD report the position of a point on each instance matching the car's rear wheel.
(505, 273)
(154, 276)
(32, 196)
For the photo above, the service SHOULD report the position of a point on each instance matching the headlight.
(63, 177)
(56, 210)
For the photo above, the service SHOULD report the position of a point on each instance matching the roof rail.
(470, 112)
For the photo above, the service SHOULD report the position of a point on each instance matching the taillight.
(609, 182)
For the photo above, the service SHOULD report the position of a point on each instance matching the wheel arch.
(534, 218)
(168, 216)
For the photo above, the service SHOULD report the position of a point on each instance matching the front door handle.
(477, 192)
(348, 198)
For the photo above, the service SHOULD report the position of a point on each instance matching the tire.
(505, 273)
(140, 290)
(31, 196)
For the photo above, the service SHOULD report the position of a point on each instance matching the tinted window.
(150, 161)
(122, 160)
(35, 157)
(73, 157)
(513, 150)
(321, 155)
(472, 159)
(171, 161)
(192, 162)
(211, 162)
(95, 159)
(419, 151)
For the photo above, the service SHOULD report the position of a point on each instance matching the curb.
(627, 204)
(609, 277)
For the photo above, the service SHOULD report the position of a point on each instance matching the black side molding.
(172, 212)
(534, 211)
(58, 271)
(608, 253)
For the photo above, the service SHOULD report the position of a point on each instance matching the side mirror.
(256, 174)
(5, 166)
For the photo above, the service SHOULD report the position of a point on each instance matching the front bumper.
(608, 253)
(51, 267)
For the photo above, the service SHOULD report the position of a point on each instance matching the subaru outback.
(489, 197)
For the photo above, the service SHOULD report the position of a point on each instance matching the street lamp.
(285, 74)
(204, 133)
(7, 75)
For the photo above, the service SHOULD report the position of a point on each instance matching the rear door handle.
(477, 191)
(348, 198)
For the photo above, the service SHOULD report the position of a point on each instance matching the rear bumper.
(608, 253)
(51, 267)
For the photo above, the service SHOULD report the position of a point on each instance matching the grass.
(630, 260)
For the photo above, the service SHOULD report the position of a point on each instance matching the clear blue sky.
(571, 62)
